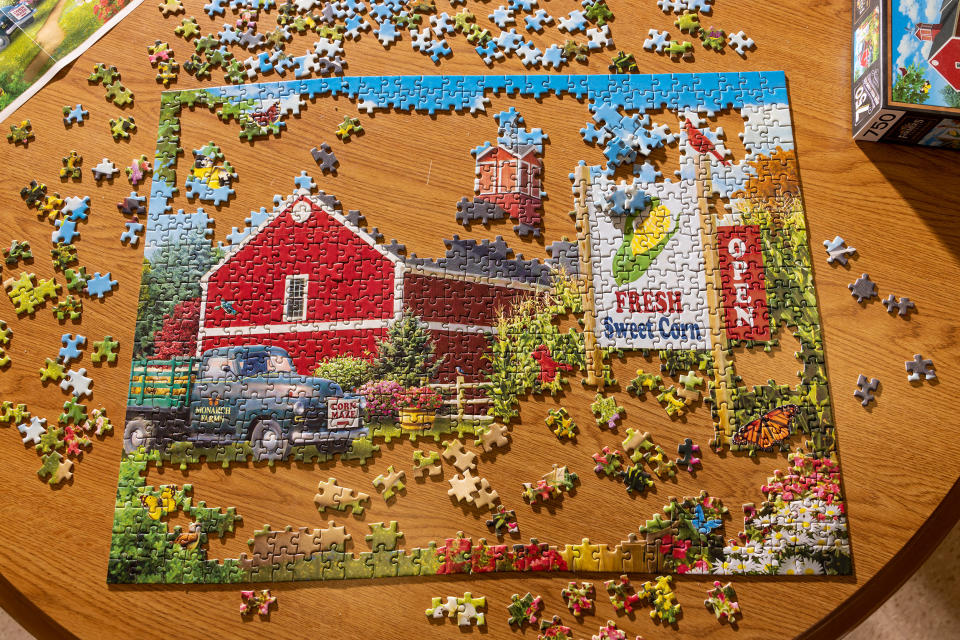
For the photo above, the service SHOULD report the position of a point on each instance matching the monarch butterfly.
(769, 429)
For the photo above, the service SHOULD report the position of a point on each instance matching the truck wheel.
(268, 442)
(4, 41)
(138, 433)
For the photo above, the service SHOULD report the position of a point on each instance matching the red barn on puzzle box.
(313, 283)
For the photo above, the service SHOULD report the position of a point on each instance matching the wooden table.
(900, 457)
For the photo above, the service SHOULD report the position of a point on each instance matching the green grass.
(78, 23)
(22, 49)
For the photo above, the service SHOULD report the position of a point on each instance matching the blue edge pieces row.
(432, 93)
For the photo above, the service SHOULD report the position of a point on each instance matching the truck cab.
(253, 393)
(13, 18)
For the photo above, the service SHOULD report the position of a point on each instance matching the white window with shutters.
(295, 298)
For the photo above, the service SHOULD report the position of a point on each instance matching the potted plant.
(420, 408)
(384, 398)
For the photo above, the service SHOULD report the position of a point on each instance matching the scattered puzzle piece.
(389, 483)
(722, 602)
(920, 367)
(256, 601)
(866, 389)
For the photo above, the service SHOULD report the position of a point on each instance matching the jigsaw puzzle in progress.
(304, 338)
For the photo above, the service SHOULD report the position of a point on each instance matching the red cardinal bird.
(548, 366)
(702, 143)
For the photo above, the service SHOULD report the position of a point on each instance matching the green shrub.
(350, 372)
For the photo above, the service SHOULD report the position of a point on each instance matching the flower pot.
(414, 419)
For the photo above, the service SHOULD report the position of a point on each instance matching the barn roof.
(948, 26)
(463, 257)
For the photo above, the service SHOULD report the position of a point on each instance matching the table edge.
(869, 597)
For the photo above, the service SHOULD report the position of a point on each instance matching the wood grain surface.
(896, 205)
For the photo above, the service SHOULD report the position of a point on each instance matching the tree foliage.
(911, 86)
(170, 276)
(951, 97)
(407, 354)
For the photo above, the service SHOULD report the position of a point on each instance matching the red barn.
(312, 282)
(510, 178)
(944, 39)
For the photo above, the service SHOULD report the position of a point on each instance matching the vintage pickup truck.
(13, 18)
(238, 394)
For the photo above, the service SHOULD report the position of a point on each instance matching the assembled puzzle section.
(306, 338)
(906, 72)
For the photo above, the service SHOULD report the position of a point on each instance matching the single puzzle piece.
(71, 308)
(34, 193)
(683, 49)
(34, 431)
(77, 383)
(325, 157)
(56, 467)
(524, 610)
(560, 422)
(13, 414)
(722, 602)
(188, 28)
(19, 250)
(105, 170)
(863, 288)
(622, 597)
(715, 39)
(740, 43)
(98, 422)
(865, 390)
(467, 611)
(624, 63)
(74, 115)
(138, 170)
(443, 607)
(52, 370)
(426, 464)
(492, 435)
(687, 451)
(105, 349)
(659, 594)
(21, 133)
(554, 630)
(459, 457)
(837, 251)
(607, 411)
(170, 6)
(102, 74)
(348, 127)
(920, 367)
(256, 601)
(122, 127)
(610, 631)
(902, 307)
(133, 227)
(389, 483)
(636, 479)
(63, 255)
(71, 347)
(100, 285)
(119, 95)
(579, 597)
(609, 461)
(464, 488)
(503, 520)
(71, 166)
